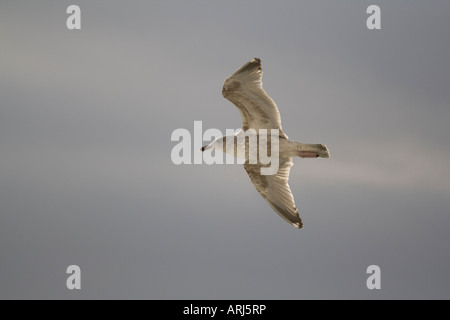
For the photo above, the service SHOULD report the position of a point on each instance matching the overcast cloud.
(86, 176)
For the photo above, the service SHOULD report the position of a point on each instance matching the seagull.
(258, 111)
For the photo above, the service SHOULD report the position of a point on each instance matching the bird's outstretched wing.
(275, 190)
(244, 89)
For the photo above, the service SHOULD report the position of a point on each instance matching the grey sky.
(86, 176)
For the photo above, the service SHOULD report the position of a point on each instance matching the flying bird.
(244, 89)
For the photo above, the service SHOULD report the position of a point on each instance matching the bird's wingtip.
(258, 62)
(298, 225)
(253, 64)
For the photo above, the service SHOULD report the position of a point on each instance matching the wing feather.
(276, 191)
(244, 89)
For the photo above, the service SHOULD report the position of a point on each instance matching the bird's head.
(216, 144)
(210, 146)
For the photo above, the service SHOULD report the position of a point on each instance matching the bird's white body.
(286, 147)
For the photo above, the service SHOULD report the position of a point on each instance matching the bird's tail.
(306, 150)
